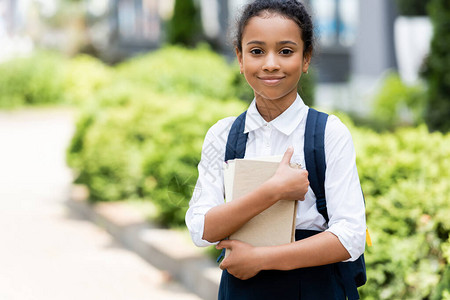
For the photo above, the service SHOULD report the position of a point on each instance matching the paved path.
(45, 252)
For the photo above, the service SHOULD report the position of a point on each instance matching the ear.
(306, 61)
(239, 58)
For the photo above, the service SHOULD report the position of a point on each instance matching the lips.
(271, 80)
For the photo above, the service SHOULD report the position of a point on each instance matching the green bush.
(307, 87)
(173, 166)
(412, 7)
(181, 71)
(47, 78)
(84, 76)
(185, 25)
(397, 104)
(405, 176)
(438, 68)
(38, 79)
(242, 89)
(148, 148)
(110, 121)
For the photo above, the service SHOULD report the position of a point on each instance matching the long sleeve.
(209, 189)
(345, 202)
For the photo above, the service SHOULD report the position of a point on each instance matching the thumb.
(287, 156)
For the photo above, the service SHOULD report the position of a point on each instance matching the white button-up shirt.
(344, 198)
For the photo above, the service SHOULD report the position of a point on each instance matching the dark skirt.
(312, 283)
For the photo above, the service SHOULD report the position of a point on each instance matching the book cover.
(273, 226)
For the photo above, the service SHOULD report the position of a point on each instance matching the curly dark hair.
(291, 9)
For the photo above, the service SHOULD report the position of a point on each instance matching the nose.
(271, 63)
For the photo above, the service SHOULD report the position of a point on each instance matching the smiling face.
(272, 57)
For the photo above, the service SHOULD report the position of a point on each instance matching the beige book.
(273, 226)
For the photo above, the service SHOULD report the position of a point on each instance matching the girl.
(274, 46)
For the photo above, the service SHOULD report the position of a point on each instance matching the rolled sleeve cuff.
(353, 242)
(196, 227)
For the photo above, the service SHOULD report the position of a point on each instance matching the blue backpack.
(352, 273)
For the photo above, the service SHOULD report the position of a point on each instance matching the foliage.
(443, 289)
(32, 80)
(412, 7)
(242, 88)
(397, 104)
(405, 177)
(438, 68)
(84, 76)
(185, 26)
(49, 78)
(173, 166)
(178, 70)
(153, 152)
(307, 86)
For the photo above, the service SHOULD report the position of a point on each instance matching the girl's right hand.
(289, 183)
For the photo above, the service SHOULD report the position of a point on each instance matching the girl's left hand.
(242, 262)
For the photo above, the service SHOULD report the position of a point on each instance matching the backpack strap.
(351, 274)
(237, 139)
(314, 149)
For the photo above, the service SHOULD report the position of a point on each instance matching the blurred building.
(122, 28)
(356, 51)
(14, 37)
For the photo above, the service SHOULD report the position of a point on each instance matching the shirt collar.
(285, 123)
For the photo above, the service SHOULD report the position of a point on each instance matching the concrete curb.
(165, 249)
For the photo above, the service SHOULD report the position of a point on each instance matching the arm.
(287, 184)
(245, 261)
(321, 249)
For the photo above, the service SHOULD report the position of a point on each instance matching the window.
(139, 20)
(336, 21)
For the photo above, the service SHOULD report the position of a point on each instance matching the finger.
(287, 155)
(225, 244)
(224, 264)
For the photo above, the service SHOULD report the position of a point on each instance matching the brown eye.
(256, 51)
(286, 51)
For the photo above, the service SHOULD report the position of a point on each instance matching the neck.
(271, 109)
